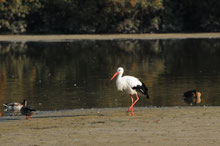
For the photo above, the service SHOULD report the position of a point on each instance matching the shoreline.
(72, 37)
(113, 126)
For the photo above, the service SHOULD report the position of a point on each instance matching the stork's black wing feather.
(142, 88)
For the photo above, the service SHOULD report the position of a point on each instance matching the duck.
(13, 106)
(27, 111)
(192, 97)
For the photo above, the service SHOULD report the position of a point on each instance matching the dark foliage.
(108, 16)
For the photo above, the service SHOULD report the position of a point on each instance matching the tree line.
(108, 16)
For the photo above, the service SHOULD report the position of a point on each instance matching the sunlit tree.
(13, 14)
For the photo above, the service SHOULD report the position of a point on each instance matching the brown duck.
(192, 97)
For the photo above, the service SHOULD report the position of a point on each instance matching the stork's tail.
(145, 90)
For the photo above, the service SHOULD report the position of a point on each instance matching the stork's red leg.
(133, 105)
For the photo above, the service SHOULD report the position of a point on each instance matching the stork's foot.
(130, 109)
(131, 114)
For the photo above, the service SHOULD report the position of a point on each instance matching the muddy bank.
(113, 126)
(106, 36)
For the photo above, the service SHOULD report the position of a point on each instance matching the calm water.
(70, 75)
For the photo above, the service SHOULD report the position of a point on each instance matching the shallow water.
(76, 74)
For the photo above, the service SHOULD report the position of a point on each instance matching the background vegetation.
(108, 16)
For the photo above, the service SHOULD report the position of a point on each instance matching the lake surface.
(76, 74)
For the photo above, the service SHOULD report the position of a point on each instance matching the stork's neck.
(119, 76)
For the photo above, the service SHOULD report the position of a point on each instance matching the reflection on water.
(69, 75)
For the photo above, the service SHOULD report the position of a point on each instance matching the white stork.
(131, 85)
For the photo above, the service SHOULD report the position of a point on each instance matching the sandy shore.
(150, 126)
(26, 38)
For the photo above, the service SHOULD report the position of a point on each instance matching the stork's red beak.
(115, 75)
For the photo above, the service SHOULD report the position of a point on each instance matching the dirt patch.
(113, 126)
(106, 36)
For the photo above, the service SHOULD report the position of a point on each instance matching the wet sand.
(113, 126)
(25, 38)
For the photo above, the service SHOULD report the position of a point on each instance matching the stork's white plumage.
(131, 85)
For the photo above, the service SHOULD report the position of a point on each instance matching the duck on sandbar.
(27, 111)
(192, 97)
(13, 106)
